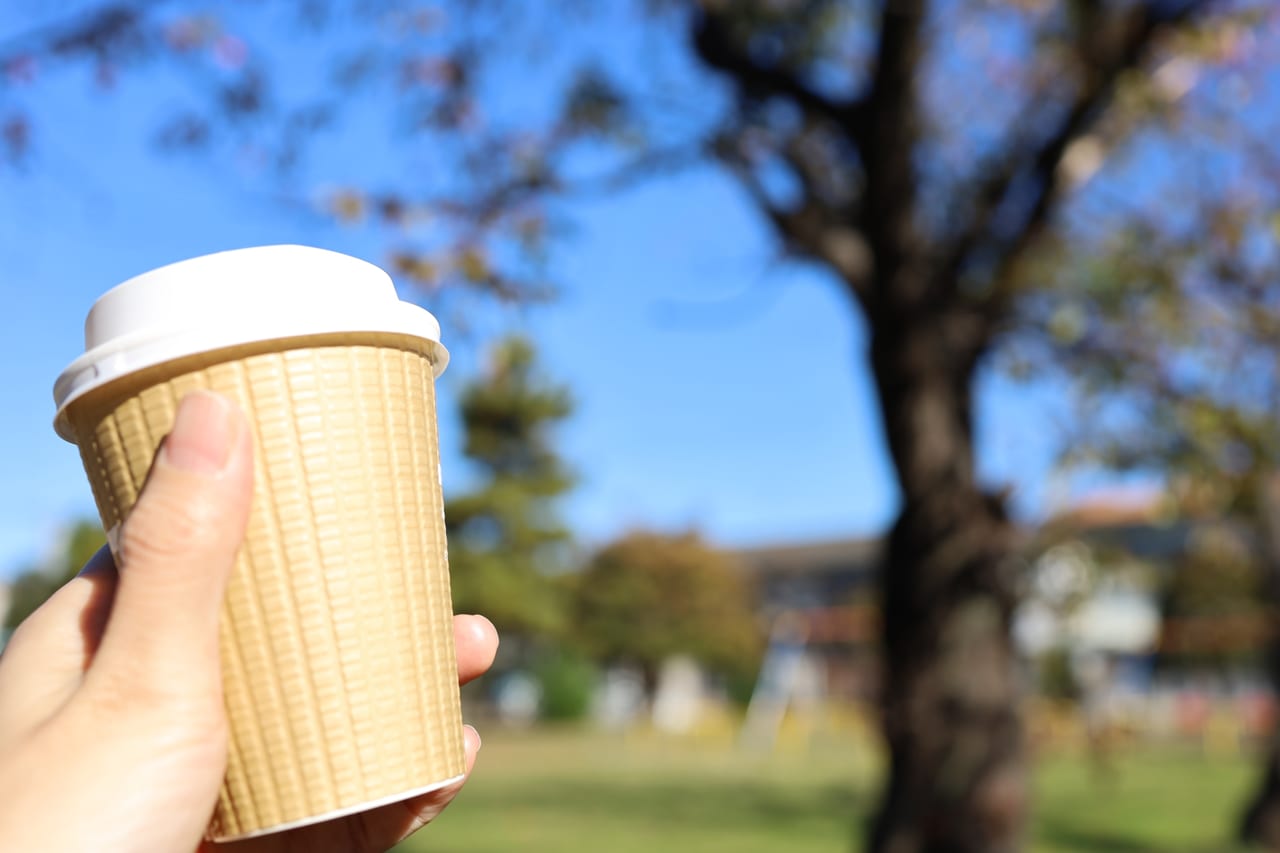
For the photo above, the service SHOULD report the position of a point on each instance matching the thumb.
(176, 550)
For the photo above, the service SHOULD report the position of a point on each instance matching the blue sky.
(713, 392)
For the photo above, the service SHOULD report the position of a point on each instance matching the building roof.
(814, 557)
(1108, 507)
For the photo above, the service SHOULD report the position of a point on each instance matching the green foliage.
(740, 684)
(33, 587)
(505, 538)
(1057, 680)
(567, 681)
(647, 597)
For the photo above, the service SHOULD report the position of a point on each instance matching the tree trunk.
(1260, 823)
(950, 696)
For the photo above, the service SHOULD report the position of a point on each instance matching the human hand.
(382, 828)
(112, 725)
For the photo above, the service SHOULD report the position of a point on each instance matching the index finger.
(477, 642)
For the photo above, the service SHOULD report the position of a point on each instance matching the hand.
(112, 728)
(382, 828)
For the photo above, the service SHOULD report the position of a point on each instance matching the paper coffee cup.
(339, 671)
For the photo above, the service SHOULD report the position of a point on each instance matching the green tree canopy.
(506, 540)
(34, 586)
(648, 596)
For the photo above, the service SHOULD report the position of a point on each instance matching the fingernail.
(202, 434)
(476, 735)
(480, 626)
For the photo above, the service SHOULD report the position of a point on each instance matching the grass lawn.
(1170, 802)
(571, 791)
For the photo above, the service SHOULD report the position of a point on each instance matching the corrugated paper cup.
(337, 631)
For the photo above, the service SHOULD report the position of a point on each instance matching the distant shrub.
(568, 681)
(1057, 680)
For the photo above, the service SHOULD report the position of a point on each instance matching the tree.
(1168, 336)
(34, 586)
(923, 153)
(648, 597)
(1166, 332)
(505, 539)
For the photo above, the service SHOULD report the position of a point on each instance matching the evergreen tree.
(34, 586)
(506, 541)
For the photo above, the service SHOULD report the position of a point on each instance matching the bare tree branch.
(94, 31)
(714, 45)
(651, 162)
(1104, 53)
(811, 230)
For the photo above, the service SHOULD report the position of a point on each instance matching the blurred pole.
(777, 682)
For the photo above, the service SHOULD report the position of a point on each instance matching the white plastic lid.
(231, 298)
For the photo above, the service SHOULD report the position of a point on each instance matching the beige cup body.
(339, 670)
